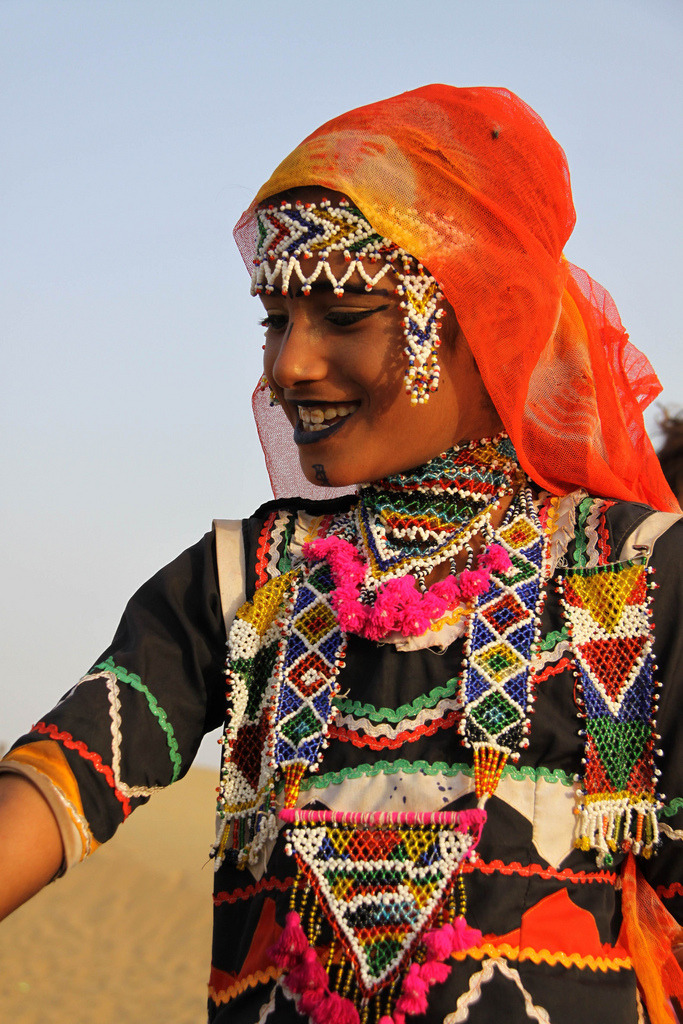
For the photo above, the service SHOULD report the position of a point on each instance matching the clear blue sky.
(134, 132)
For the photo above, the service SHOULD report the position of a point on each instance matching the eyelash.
(274, 322)
(278, 321)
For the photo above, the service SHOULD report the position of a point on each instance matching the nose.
(300, 353)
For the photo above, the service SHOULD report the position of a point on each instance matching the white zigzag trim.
(267, 1008)
(116, 739)
(364, 725)
(482, 977)
(672, 833)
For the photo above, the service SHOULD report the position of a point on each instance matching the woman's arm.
(31, 851)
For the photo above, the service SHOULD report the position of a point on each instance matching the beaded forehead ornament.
(289, 234)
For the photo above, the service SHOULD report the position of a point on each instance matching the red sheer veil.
(471, 182)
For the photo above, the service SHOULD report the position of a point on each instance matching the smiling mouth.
(317, 422)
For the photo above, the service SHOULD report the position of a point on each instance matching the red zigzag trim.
(67, 739)
(265, 885)
(580, 877)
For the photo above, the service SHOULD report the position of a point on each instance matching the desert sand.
(125, 937)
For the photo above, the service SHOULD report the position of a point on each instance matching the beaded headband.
(290, 233)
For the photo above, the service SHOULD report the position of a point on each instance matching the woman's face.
(336, 364)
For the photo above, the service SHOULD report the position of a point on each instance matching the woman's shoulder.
(635, 529)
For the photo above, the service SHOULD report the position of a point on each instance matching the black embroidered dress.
(550, 917)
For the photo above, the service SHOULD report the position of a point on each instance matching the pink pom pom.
(385, 1020)
(439, 942)
(495, 558)
(308, 974)
(433, 606)
(464, 937)
(292, 944)
(433, 972)
(310, 1000)
(334, 1009)
(448, 590)
(473, 582)
(413, 998)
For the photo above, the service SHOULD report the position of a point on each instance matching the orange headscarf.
(471, 182)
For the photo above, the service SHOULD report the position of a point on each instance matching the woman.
(450, 731)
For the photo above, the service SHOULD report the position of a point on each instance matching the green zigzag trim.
(581, 547)
(425, 700)
(673, 807)
(438, 768)
(550, 642)
(130, 679)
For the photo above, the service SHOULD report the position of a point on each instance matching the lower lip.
(302, 436)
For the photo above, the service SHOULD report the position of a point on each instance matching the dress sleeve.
(664, 871)
(134, 722)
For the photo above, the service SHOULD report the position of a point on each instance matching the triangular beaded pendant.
(607, 609)
(381, 883)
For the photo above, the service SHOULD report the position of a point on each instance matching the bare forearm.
(30, 843)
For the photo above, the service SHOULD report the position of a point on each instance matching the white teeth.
(314, 418)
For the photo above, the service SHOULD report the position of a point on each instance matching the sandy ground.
(125, 938)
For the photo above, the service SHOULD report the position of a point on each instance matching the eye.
(348, 317)
(274, 322)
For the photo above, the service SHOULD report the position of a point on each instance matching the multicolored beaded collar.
(406, 525)
(290, 234)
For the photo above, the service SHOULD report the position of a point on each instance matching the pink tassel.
(413, 998)
(434, 971)
(450, 938)
(439, 943)
(292, 944)
(473, 582)
(334, 1009)
(495, 558)
(308, 974)
(386, 1020)
(309, 1000)
(399, 1018)
(464, 937)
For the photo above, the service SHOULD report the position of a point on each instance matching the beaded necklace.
(407, 524)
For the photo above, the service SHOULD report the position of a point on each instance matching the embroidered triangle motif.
(613, 669)
(380, 887)
(606, 595)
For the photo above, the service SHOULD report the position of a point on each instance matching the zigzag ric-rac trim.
(396, 715)
(67, 739)
(134, 681)
(251, 981)
(667, 892)
(553, 669)
(544, 956)
(262, 549)
(673, 807)
(264, 885)
(537, 870)
(344, 735)
(425, 768)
